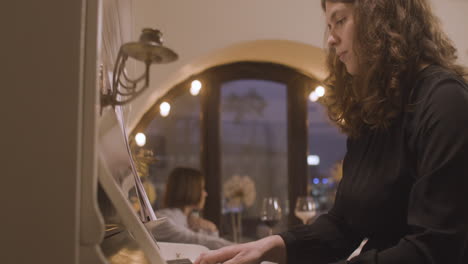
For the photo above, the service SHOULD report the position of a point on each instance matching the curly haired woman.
(397, 92)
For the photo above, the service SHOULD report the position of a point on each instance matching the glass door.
(326, 150)
(254, 155)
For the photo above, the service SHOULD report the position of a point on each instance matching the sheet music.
(146, 213)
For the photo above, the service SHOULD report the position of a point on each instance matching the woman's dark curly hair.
(393, 39)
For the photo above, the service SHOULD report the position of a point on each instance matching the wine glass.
(270, 213)
(306, 208)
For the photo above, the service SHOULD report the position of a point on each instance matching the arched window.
(250, 119)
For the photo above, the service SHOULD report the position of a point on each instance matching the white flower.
(239, 191)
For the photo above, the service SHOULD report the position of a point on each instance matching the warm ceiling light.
(140, 139)
(320, 91)
(313, 96)
(164, 109)
(195, 87)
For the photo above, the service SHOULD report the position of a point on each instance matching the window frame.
(298, 84)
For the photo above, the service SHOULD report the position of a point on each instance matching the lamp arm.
(135, 94)
(132, 83)
(127, 79)
(131, 89)
(118, 68)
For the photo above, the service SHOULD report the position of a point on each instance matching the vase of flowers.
(239, 193)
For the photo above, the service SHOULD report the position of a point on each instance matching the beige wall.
(453, 15)
(197, 30)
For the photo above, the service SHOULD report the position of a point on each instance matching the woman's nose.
(332, 40)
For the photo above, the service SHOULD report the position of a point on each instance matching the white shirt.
(175, 229)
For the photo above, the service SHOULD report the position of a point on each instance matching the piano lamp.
(150, 50)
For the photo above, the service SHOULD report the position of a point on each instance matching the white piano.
(65, 164)
(128, 235)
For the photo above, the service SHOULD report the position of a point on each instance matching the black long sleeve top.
(405, 188)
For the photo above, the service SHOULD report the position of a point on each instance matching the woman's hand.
(271, 248)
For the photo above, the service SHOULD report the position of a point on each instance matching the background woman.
(184, 197)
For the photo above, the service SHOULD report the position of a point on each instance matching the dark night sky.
(324, 138)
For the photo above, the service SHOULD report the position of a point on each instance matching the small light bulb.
(164, 109)
(195, 87)
(313, 96)
(320, 91)
(140, 139)
(313, 160)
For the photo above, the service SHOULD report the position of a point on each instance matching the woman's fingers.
(217, 256)
(237, 254)
(271, 248)
(245, 257)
